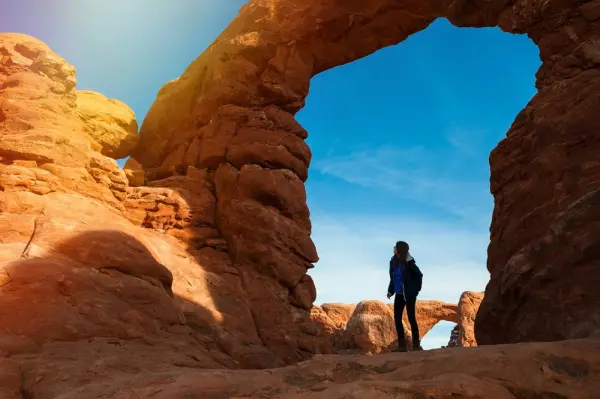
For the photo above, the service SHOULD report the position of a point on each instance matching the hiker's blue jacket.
(412, 278)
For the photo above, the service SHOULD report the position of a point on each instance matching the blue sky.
(400, 139)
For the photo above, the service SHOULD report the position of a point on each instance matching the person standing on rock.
(405, 282)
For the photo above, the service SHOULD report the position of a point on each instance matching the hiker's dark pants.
(399, 305)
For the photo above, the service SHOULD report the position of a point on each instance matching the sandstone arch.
(368, 326)
(231, 112)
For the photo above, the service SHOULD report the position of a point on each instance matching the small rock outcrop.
(454, 338)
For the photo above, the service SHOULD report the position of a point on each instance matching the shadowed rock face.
(454, 340)
(231, 112)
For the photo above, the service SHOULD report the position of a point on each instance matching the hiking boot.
(417, 346)
(401, 347)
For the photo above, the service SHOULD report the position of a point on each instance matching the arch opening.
(439, 336)
(400, 142)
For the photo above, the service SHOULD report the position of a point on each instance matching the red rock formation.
(468, 306)
(232, 112)
(135, 173)
(463, 334)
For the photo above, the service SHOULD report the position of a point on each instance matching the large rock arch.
(231, 112)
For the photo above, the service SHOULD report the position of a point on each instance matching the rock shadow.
(106, 287)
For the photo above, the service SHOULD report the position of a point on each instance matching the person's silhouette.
(405, 282)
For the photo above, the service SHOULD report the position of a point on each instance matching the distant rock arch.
(368, 327)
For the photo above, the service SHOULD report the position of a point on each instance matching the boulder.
(134, 172)
(371, 328)
(111, 123)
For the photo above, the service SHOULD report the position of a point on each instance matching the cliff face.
(231, 113)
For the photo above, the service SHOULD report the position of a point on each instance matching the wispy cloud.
(433, 177)
(470, 144)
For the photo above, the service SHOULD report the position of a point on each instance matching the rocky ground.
(569, 369)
